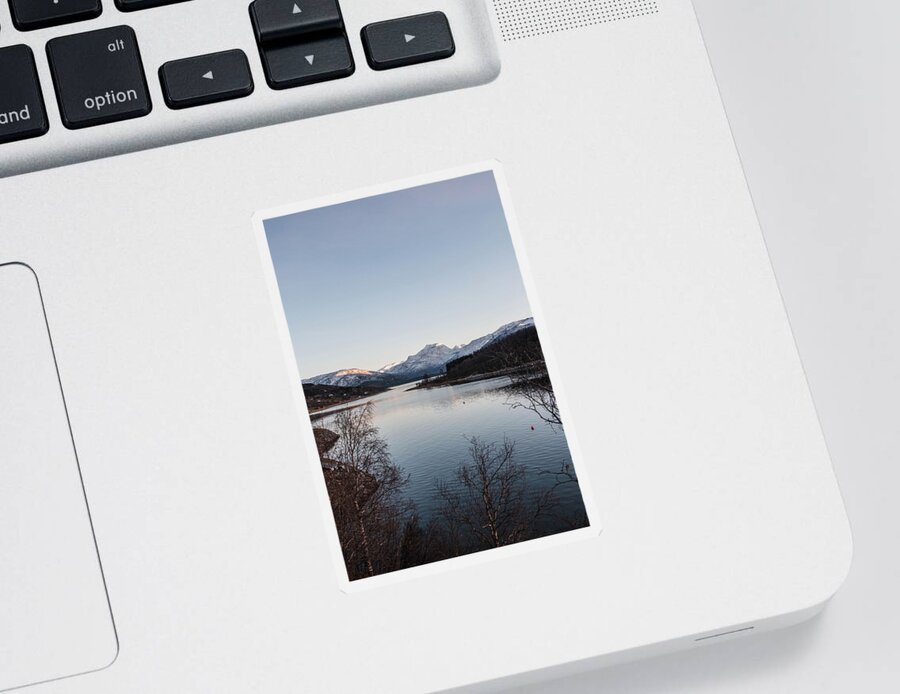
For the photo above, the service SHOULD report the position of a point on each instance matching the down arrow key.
(320, 59)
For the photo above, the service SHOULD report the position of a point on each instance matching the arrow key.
(29, 14)
(297, 64)
(408, 40)
(206, 79)
(274, 20)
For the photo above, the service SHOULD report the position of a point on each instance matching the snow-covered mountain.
(498, 334)
(431, 360)
(345, 378)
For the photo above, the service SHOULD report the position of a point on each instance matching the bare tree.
(533, 391)
(365, 488)
(563, 477)
(487, 504)
(530, 386)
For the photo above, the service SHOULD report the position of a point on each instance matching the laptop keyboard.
(102, 76)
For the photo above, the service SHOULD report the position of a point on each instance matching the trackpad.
(55, 619)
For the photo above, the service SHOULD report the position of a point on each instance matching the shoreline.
(316, 413)
(442, 381)
(321, 412)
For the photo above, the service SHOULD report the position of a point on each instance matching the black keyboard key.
(407, 41)
(297, 64)
(99, 77)
(22, 111)
(284, 19)
(37, 14)
(206, 79)
(132, 5)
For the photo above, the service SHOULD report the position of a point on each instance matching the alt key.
(99, 77)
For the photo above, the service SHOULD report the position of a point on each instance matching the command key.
(22, 111)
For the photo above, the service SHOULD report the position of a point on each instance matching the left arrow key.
(206, 79)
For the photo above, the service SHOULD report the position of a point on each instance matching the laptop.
(388, 346)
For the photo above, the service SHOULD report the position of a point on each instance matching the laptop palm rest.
(55, 619)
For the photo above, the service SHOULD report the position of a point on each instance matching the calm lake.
(426, 432)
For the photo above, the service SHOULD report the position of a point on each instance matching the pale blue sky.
(371, 281)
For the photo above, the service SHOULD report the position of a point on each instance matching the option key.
(99, 77)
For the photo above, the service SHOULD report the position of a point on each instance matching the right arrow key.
(408, 40)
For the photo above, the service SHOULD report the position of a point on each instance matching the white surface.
(717, 498)
(810, 87)
(51, 588)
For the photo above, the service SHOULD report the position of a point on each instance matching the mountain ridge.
(431, 360)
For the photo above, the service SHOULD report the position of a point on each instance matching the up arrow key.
(287, 21)
(408, 37)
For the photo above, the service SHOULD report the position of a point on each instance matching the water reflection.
(428, 433)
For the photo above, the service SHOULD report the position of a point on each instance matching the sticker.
(427, 393)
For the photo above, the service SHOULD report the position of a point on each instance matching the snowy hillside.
(431, 360)
(345, 378)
